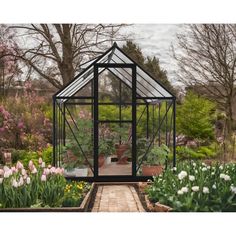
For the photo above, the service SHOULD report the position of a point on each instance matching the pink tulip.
(43, 178)
(1, 172)
(19, 165)
(23, 172)
(34, 170)
(31, 164)
(53, 170)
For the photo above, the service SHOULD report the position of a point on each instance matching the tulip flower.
(43, 178)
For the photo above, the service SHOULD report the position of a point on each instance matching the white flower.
(28, 180)
(196, 171)
(204, 169)
(208, 167)
(221, 167)
(1, 180)
(191, 178)
(212, 173)
(23, 172)
(174, 168)
(205, 190)
(180, 192)
(7, 174)
(21, 182)
(40, 161)
(182, 175)
(204, 164)
(6, 168)
(43, 178)
(194, 164)
(14, 183)
(195, 188)
(225, 177)
(43, 165)
(184, 189)
(214, 186)
(233, 189)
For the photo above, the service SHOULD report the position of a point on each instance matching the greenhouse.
(112, 121)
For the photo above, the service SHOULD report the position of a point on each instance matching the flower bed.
(42, 188)
(195, 186)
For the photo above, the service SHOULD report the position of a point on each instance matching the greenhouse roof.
(146, 86)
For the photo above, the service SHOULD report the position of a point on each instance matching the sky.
(156, 40)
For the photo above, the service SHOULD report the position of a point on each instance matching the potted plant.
(122, 146)
(73, 162)
(106, 148)
(155, 161)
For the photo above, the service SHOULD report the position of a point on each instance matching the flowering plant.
(37, 187)
(194, 186)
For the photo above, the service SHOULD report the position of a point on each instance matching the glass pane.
(115, 155)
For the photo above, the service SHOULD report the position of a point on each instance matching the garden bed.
(84, 206)
(147, 204)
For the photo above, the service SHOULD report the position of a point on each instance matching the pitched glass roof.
(146, 85)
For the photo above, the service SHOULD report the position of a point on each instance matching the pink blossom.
(14, 183)
(53, 170)
(1, 172)
(43, 178)
(19, 165)
(31, 164)
(23, 172)
(34, 170)
(46, 171)
(14, 170)
(20, 125)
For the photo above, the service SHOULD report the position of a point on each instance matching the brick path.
(117, 198)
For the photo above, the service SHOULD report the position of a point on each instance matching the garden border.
(82, 208)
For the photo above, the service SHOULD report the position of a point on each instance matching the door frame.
(96, 123)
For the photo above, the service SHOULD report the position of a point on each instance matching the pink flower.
(14, 183)
(23, 172)
(14, 170)
(53, 170)
(34, 170)
(49, 166)
(20, 125)
(31, 164)
(19, 165)
(43, 178)
(1, 172)
(46, 171)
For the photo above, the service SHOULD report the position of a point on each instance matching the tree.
(56, 51)
(206, 57)
(8, 63)
(195, 117)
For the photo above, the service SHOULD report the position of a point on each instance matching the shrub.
(195, 117)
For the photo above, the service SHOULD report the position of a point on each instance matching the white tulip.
(182, 175)
(233, 189)
(195, 188)
(1, 180)
(6, 174)
(43, 178)
(205, 190)
(221, 167)
(23, 171)
(180, 192)
(14, 183)
(194, 164)
(184, 189)
(191, 178)
(34, 171)
(28, 180)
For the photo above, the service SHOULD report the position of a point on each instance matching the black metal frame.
(60, 120)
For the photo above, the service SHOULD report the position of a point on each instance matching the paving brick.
(117, 198)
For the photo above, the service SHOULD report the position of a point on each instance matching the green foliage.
(202, 152)
(157, 155)
(194, 117)
(196, 187)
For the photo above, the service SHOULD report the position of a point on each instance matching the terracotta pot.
(120, 149)
(101, 160)
(152, 170)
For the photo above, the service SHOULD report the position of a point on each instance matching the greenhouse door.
(114, 116)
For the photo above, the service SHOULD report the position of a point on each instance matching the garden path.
(117, 198)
